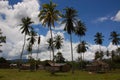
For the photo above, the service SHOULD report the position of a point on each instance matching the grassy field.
(12, 74)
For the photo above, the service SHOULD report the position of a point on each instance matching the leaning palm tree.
(26, 22)
(69, 21)
(48, 16)
(58, 42)
(80, 29)
(115, 37)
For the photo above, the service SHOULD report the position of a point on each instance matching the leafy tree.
(58, 42)
(2, 39)
(59, 58)
(3, 60)
(48, 16)
(69, 19)
(25, 27)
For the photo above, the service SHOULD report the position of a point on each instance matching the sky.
(98, 16)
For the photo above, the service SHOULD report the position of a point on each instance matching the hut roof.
(99, 63)
(56, 64)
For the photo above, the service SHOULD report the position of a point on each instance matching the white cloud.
(10, 28)
(116, 17)
(102, 19)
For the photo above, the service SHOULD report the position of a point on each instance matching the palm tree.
(50, 42)
(81, 48)
(2, 39)
(115, 37)
(48, 16)
(32, 39)
(99, 40)
(80, 29)
(29, 49)
(26, 22)
(58, 42)
(69, 21)
(39, 39)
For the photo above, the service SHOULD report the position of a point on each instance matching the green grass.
(12, 74)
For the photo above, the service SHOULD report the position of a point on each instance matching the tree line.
(48, 16)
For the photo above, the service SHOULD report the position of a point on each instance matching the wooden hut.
(58, 67)
(97, 66)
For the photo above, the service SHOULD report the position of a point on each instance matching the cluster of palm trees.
(115, 39)
(48, 16)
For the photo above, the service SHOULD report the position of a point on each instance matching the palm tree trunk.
(36, 58)
(52, 42)
(72, 54)
(20, 62)
(52, 47)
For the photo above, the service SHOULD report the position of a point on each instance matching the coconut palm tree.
(32, 39)
(115, 37)
(25, 27)
(39, 39)
(48, 16)
(29, 49)
(81, 48)
(2, 39)
(58, 42)
(80, 29)
(50, 42)
(69, 19)
(99, 40)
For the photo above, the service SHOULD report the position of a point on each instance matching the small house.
(97, 66)
(57, 67)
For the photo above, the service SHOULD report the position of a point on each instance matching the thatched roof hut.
(58, 67)
(97, 66)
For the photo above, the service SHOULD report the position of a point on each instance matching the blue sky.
(98, 16)
(89, 11)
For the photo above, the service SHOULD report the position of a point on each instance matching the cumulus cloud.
(10, 17)
(116, 17)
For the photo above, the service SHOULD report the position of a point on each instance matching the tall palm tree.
(69, 21)
(48, 16)
(81, 48)
(115, 37)
(99, 40)
(39, 39)
(29, 49)
(32, 39)
(50, 42)
(26, 26)
(80, 29)
(58, 42)
(2, 39)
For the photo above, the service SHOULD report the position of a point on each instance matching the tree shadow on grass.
(1, 77)
(58, 75)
